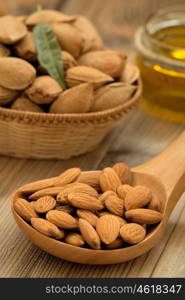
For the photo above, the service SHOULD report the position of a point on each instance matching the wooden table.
(136, 140)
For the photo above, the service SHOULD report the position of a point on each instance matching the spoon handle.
(169, 168)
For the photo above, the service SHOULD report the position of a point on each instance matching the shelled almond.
(108, 213)
(66, 70)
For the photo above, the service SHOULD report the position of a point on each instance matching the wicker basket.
(61, 136)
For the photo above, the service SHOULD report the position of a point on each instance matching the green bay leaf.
(49, 52)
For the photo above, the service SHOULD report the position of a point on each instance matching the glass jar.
(160, 44)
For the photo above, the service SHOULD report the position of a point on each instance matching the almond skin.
(66, 208)
(24, 104)
(120, 219)
(115, 244)
(122, 190)
(123, 172)
(84, 201)
(137, 197)
(11, 30)
(52, 191)
(108, 228)
(26, 48)
(47, 228)
(109, 180)
(74, 239)
(61, 219)
(44, 204)
(106, 195)
(7, 95)
(115, 205)
(68, 176)
(155, 203)
(90, 178)
(88, 216)
(25, 209)
(132, 233)
(89, 234)
(38, 185)
(143, 216)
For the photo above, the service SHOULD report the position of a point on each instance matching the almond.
(91, 178)
(88, 216)
(115, 244)
(7, 95)
(137, 197)
(75, 187)
(122, 190)
(109, 180)
(112, 95)
(106, 195)
(24, 209)
(83, 74)
(115, 205)
(16, 73)
(47, 228)
(132, 233)
(4, 51)
(61, 219)
(78, 99)
(68, 176)
(26, 47)
(44, 90)
(89, 234)
(108, 61)
(155, 203)
(143, 216)
(74, 239)
(66, 208)
(84, 201)
(48, 16)
(120, 219)
(24, 104)
(123, 172)
(44, 204)
(52, 191)
(12, 30)
(108, 228)
(38, 185)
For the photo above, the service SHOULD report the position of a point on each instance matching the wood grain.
(136, 140)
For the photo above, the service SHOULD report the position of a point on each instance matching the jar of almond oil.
(160, 44)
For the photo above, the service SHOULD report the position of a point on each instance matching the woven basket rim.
(11, 114)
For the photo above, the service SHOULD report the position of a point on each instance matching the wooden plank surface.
(136, 140)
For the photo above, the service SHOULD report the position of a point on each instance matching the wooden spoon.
(164, 175)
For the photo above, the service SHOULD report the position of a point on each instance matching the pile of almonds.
(97, 78)
(97, 210)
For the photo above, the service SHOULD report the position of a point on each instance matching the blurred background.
(117, 20)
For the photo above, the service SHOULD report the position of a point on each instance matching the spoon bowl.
(164, 175)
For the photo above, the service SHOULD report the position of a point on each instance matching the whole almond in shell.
(24, 209)
(115, 205)
(123, 189)
(84, 201)
(91, 38)
(109, 180)
(91, 178)
(137, 197)
(108, 61)
(75, 187)
(44, 90)
(16, 73)
(78, 99)
(83, 74)
(108, 228)
(11, 30)
(74, 239)
(61, 219)
(118, 243)
(69, 38)
(155, 203)
(44, 204)
(47, 228)
(89, 234)
(7, 95)
(88, 216)
(24, 104)
(143, 216)
(132, 233)
(123, 172)
(48, 16)
(26, 48)
(68, 176)
(4, 51)
(51, 191)
(112, 95)
(130, 74)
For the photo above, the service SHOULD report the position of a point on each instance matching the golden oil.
(161, 59)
